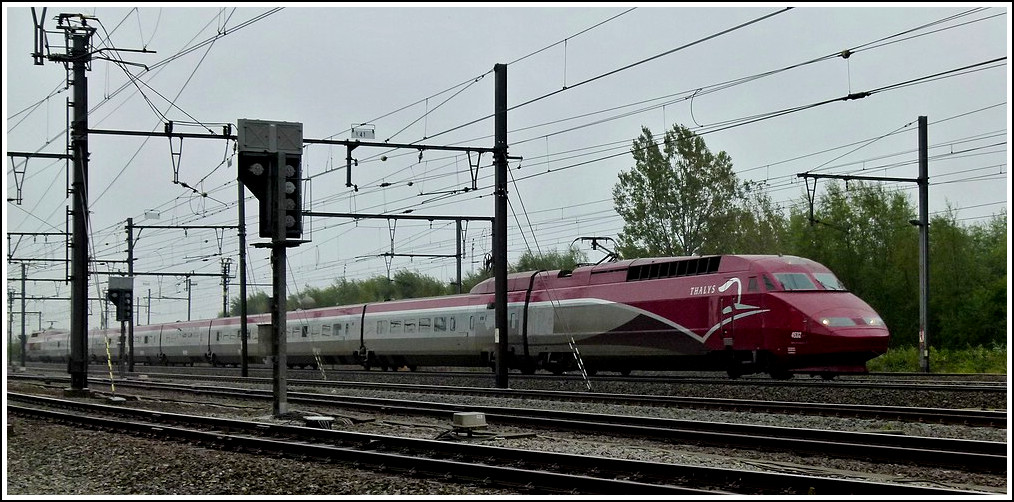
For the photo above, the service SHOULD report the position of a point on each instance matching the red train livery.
(739, 313)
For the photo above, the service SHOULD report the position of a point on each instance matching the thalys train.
(742, 314)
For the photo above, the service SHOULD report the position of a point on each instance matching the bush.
(977, 359)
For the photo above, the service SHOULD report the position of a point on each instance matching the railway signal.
(269, 164)
(120, 294)
(262, 146)
(293, 203)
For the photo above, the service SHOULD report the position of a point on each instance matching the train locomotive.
(743, 314)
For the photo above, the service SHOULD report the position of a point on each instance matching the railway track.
(526, 470)
(987, 456)
(947, 382)
(971, 417)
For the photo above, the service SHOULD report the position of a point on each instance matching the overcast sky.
(583, 81)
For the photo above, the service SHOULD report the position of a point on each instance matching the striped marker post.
(109, 362)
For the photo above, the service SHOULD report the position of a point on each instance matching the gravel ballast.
(48, 459)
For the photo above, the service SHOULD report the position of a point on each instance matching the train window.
(395, 326)
(752, 285)
(471, 322)
(440, 323)
(829, 281)
(325, 330)
(338, 329)
(305, 329)
(146, 339)
(347, 330)
(514, 320)
(424, 324)
(768, 285)
(451, 325)
(218, 336)
(795, 281)
(410, 326)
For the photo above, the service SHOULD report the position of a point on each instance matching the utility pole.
(923, 224)
(10, 326)
(241, 228)
(189, 296)
(130, 274)
(500, 227)
(24, 293)
(278, 329)
(226, 262)
(79, 59)
(457, 250)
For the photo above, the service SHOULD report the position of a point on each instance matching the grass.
(978, 359)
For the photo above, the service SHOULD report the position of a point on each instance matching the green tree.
(410, 284)
(678, 200)
(967, 288)
(553, 260)
(470, 279)
(862, 234)
(256, 303)
(758, 226)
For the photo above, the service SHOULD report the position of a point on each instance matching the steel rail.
(959, 416)
(658, 476)
(967, 455)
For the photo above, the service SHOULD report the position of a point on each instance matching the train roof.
(639, 269)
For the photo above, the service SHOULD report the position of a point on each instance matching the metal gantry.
(923, 224)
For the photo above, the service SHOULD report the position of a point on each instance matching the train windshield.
(795, 281)
(829, 281)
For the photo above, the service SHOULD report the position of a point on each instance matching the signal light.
(254, 171)
(125, 307)
(293, 203)
(124, 302)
